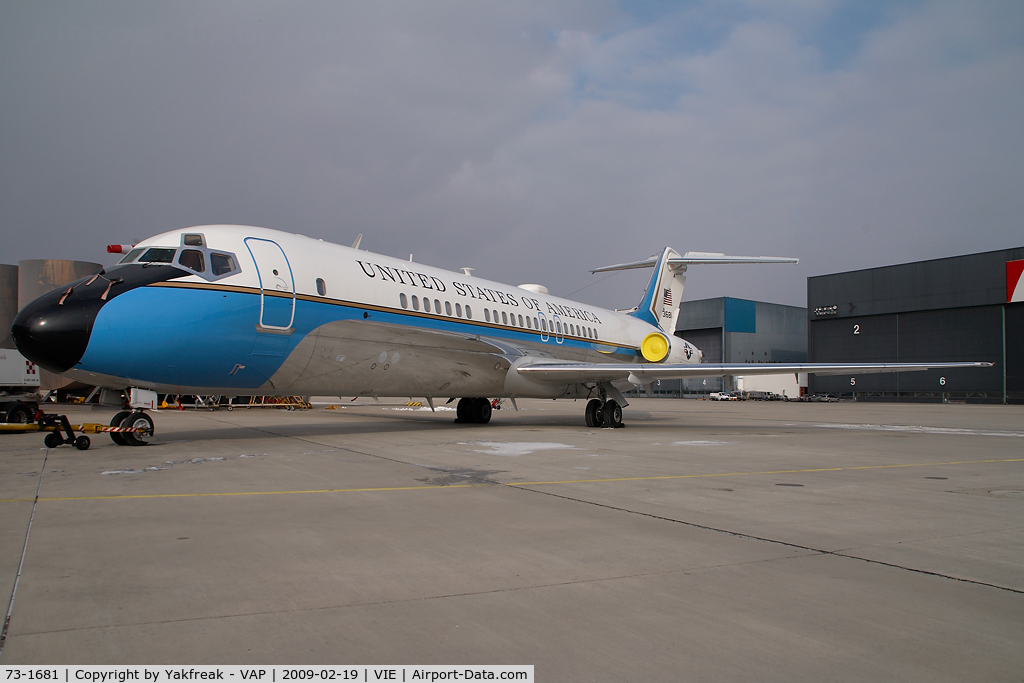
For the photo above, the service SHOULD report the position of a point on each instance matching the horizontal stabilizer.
(697, 258)
(612, 372)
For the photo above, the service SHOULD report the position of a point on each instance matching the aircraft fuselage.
(235, 310)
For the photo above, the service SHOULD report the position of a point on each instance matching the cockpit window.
(192, 259)
(132, 255)
(158, 255)
(192, 241)
(221, 264)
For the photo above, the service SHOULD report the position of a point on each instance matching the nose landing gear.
(141, 426)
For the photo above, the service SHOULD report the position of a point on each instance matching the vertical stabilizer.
(660, 305)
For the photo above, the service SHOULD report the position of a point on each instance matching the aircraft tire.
(116, 421)
(612, 414)
(137, 419)
(464, 410)
(482, 414)
(593, 413)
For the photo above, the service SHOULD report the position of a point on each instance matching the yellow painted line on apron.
(747, 474)
(244, 493)
(519, 483)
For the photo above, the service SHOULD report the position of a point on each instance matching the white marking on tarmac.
(513, 449)
(423, 408)
(699, 443)
(923, 430)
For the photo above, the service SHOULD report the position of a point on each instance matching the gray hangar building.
(730, 330)
(963, 308)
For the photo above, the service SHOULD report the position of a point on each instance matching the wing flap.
(611, 372)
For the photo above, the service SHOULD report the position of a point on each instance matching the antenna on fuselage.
(355, 245)
(468, 271)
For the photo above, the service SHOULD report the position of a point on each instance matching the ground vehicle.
(19, 382)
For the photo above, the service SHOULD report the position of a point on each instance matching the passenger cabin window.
(504, 318)
(487, 315)
(132, 255)
(426, 304)
(520, 321)
(221, 264)
(458, 310)
(437, 307)
(404, 299)
(469, 312)
(321, 287)
(192, 259)
(416, 302)
(535, 325)
(447, 307)
(192, 240)
(158, 255)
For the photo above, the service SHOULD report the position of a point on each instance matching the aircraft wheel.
(82, 443)
(117, 437)
(52, 440)
(594, 413)
(137, 420)
(482, 414)
(464, 410)
(612, 414)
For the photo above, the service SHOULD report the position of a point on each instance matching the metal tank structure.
(36, 277)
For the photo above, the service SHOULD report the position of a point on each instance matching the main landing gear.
(607, 414)
(475, 410)
(140, 424)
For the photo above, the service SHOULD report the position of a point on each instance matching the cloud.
(531, 141)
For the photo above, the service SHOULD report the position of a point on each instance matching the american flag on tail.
(667, 298)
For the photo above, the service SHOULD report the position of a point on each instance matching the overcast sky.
(531, 141)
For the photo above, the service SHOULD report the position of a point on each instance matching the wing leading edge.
(644, 373)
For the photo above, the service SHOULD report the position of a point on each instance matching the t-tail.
(660, 305)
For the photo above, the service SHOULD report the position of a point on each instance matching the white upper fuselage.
(331, 316)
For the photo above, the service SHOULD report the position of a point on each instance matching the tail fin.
(660, 305)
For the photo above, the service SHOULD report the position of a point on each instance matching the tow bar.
(61, 431)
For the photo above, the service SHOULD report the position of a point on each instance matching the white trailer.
(19, 386)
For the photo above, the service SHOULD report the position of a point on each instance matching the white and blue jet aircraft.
(236, 310)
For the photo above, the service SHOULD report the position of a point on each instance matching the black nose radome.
(53, 331)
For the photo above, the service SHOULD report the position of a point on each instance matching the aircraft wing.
(644, 373)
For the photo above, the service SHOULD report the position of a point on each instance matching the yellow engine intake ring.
(654, 347)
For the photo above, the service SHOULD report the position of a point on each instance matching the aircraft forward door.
(277, 283)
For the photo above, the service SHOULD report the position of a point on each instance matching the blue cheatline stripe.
(194, 337)
(643, 311)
